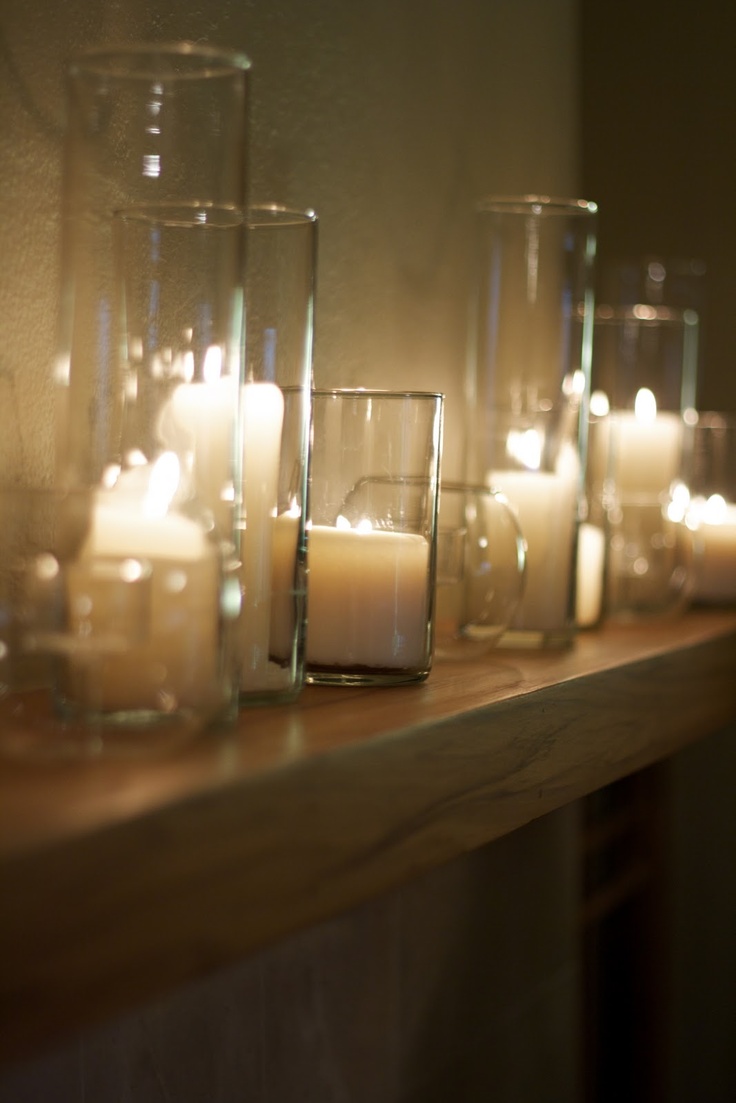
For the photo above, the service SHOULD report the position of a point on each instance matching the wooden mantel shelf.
(121, 880)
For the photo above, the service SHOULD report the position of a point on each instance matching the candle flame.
(645, 406)
(162, 485)
(364, 525)
(212, 368)
(525, 446)
(679, 504)
(599, 404)
(714, 512)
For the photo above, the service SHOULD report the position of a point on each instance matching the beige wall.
(388, 117)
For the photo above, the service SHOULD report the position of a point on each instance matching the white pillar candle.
(715, 550)
(143, 604)
(368, 599)
(590, 570)
(200, 418)
(263, 416)
(545, 505)
(645, 448)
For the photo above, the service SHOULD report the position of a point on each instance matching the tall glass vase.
(528, 384)
(149, 370)
(276, 408)
(644, 375)
(162, 123)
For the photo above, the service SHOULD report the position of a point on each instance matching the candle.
(368, 599)
(715, 550)
(644, 448)
(143, 603)
(590, 569)
(200, 419)
(263, 416)
(545, 505)
(201, 415)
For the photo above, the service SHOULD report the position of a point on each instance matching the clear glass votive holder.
(163, 506)
(711, 511)
(644, 365)
(481, 562)
(592, 547)
(371, 556)
(280, 292)
(104, 652)
(148, 123)
(537, 469)
(528, 381)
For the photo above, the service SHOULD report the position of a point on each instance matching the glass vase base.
(337, 677)
(32, 728)
(530, 639)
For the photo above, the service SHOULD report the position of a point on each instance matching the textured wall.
(388, 117)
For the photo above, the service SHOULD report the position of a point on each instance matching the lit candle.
(201, 415)
(368, 599)
(545, 506)
(143, 604)
(263, 415)
(590, 568)
(714, 572)
(645, 448)
(200, 419)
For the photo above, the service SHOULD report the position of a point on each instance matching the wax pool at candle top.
(368, 599)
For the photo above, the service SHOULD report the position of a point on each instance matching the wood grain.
(120, 880)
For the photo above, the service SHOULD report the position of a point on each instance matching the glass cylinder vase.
(711, 511)
(152, 595)
(528, 383)
(644, 377)
(152, 123)
(372, 541)
(279, 319)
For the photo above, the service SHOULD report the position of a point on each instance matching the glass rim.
(115, 61)
(646, 313)
(184, 214)
(194, 212)
(372, 392)
(534, 204)
(263, 215)
(457, 486)
(718, 420)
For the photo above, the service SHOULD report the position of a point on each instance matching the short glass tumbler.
(372, 536)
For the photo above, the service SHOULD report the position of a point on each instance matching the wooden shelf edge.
(108, 918)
